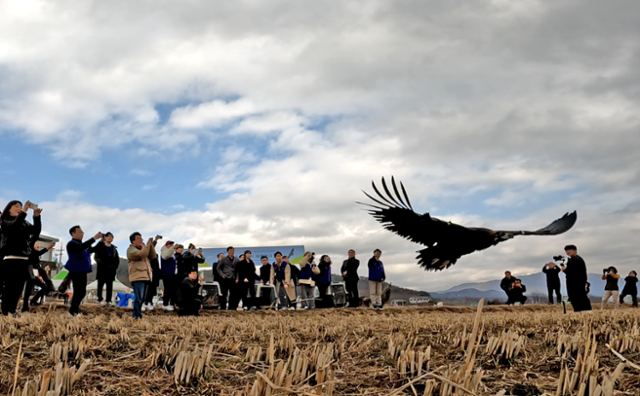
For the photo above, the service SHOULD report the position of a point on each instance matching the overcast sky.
(258, 123)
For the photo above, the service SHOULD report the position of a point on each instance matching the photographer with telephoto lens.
(611, 288)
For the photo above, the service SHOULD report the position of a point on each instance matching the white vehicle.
(419, 300)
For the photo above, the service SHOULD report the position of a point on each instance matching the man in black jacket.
(246, 283)
(630, 288)
(517, 292)
(505, 285)
(188, 298)
(349, 272)
(107, 262)
(576, 273)
(552, 271)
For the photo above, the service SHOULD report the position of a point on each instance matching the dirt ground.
(523, 350)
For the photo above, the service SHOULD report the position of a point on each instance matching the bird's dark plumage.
(445, 242)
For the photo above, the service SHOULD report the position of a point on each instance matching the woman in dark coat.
(18, 237)
(107, 260)
(630, 288)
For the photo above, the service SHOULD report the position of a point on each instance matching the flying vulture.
(445, 242)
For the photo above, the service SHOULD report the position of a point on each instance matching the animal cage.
(210, 293)
(339, 292)
(266, 295)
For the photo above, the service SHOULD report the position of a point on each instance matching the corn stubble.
(406, 351)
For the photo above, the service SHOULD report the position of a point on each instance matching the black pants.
(227, 287)
(28, 289)
(79, 280)
(170, 288)
(37, 299)
(550, 290)
(579, 299)
(152, 289)
(352, 293)
(246, 291)
(634, 298)
(190, 308)
(15, 273)
(101, 284)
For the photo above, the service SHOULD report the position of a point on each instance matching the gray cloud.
(518, 100)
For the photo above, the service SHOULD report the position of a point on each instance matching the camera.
(34, 206)
(605, 271)
(558, 258)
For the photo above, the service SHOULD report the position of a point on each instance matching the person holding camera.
(152, 287)
(577, 282)
(170, 256)
(611, 287)
(349, 272)
(307, 284)
(18, 238)
(245, 283)
(630, 288)
(517, 292)
(107, 262)
(552, 271)
(139, 255)
(35, 277)
(79, 265)
(188, 299)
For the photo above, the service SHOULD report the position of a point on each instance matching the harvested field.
(525, 350)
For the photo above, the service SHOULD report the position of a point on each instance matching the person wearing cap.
(630, 288)
(611, 287)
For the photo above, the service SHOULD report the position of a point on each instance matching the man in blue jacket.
(376, 278)
(79, 265)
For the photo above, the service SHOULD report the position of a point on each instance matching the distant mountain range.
(535, 283)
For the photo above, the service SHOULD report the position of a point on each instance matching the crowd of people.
(578, 286)
(237, 276)
(177, 268)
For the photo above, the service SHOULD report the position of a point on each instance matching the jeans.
(79, 280)
(101, 284)
(375, 289)
(139, 290)
(308, 296)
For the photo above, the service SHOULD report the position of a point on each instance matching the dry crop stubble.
(454, 351)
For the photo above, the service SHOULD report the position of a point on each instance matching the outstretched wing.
(559, 226)
(445, 242)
